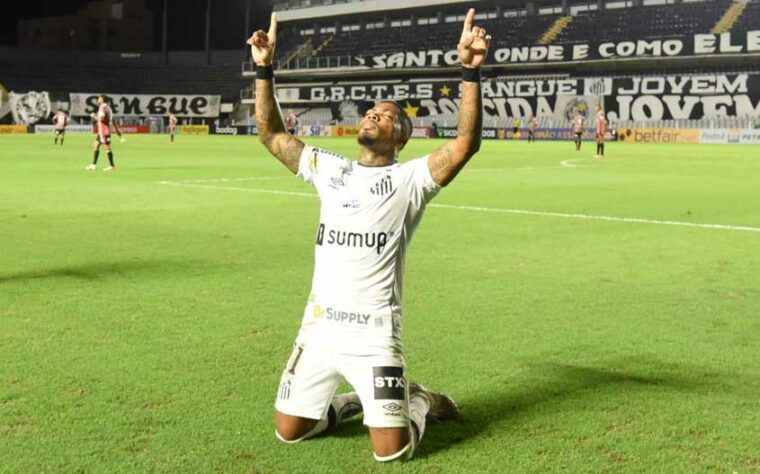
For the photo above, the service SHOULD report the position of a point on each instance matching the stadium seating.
(658, 21)
(750, 18)
(508, 28)
(222, 79)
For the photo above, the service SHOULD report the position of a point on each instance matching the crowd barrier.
(626, 135)
(69, 129)
(12, 129)
(194, 129)
(234, 130)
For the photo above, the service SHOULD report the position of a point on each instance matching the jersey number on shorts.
(294, 358)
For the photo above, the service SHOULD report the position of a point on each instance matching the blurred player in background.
(60, 122)
(351, 326)
(601, 129)
(291, 122)
(516, 128)
(532, 126)
(577, 126)
(104, 120)
(172, 127)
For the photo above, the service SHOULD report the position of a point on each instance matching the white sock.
(345, 406)
(419, 406)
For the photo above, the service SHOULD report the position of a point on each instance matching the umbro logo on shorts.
(389, 383)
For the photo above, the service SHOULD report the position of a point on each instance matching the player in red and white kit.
(291, 122)
(60, 122)
(105, 120)
(172, 126)
(601, 129)
(577, 126)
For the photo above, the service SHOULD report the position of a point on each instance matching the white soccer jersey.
(367, 218)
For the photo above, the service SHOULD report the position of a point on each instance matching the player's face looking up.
(381, 127)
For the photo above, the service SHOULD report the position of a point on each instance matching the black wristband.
(470, 75)
(265, 73)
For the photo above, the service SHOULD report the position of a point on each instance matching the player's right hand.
(262, 44)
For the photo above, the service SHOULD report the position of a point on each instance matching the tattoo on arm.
(448, 160)
(284, 146)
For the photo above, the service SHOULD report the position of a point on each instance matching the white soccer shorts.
(375, 370)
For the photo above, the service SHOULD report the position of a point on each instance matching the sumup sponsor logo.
(342, 238)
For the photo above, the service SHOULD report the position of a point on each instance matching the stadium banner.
(69, 129)
(315, 130)
(7, 129)
(729, 136)
(5, 105)
(194, 129)
(83, 104)
(128, 129)
(658, 135)
(422, 132)
(653, 97)
(234, 130)
(694, 45)
(689, 97)
(345, 131)
(563, 134)
(30, 107)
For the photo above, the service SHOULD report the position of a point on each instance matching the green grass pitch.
(146, 314)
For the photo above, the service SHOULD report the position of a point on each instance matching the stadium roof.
(366, 6)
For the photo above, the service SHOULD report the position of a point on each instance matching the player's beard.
(365, 140)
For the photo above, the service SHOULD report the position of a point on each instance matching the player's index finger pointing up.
(273, 28)
(468, 21)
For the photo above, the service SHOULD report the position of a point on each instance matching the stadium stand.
(749, 19)
(657, 21)
(90, 72)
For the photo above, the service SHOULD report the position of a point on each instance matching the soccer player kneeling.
(370, 208)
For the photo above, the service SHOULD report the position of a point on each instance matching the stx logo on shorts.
(342, 238)
(389, 383)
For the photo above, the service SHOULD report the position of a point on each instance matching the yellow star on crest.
(445, 91)
(411, 110)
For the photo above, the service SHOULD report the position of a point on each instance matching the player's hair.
(402, 127)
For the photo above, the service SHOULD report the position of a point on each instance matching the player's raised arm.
(284, 146)
(451, 157)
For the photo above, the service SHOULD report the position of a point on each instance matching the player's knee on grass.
(292, 429)
(392, 444)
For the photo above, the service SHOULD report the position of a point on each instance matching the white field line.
(525, 212)
(229, 180)
(569, 163)
(491, 170)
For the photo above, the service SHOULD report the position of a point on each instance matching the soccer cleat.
(442, 407)
(346, 405)
(91, 168)
(110, 168)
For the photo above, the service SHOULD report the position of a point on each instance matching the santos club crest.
(29, 108)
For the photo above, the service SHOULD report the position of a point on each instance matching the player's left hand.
(473, 45)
